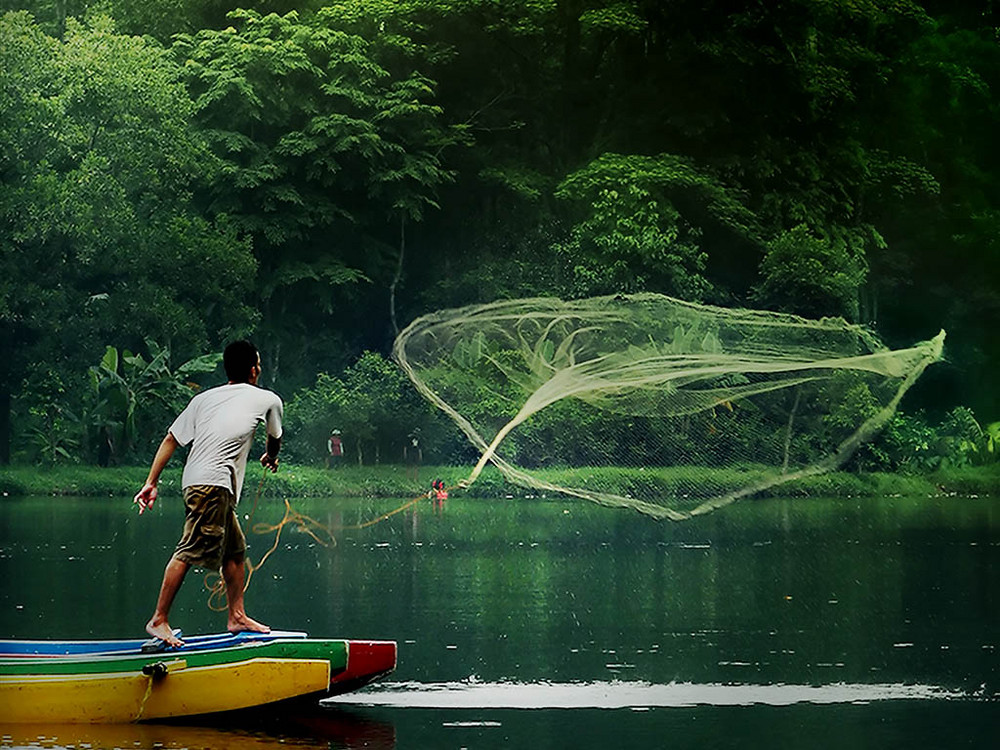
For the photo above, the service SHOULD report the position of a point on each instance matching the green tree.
(131, 393)
(49, 428)
(101, 236)
(647, 217)
(941, 265)
(812, 276)
(613, 144)
(50, 15)
(371, 403)
(326, 152)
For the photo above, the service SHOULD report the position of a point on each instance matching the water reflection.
(107, 737)
(319, 728)
(867, 623)
(633, 695)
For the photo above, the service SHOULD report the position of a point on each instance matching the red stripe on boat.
(366, 661)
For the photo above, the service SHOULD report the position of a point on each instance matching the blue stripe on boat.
(193, 643)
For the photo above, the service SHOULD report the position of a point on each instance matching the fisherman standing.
(334, 450)
(219, 425)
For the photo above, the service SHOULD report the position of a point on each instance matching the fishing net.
(647, 402)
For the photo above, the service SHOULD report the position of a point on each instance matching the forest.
(315, 175)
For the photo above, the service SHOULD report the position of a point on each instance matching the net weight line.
(322, 534)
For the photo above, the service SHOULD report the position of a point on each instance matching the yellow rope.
(384, 516)
(145, 698)
(217, 586)
(213, 579)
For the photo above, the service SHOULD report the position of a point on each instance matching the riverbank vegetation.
(314, 174)
(293, 481)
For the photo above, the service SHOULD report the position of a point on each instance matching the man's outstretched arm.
(270, 458)
(147, 495)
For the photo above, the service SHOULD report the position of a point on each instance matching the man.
(413, 455)
(219, 425)
(334, 450)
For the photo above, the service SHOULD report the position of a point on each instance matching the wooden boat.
(116, 682)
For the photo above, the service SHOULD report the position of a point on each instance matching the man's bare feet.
(164, 632)
(243, 623)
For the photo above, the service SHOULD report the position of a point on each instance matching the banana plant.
(126, 384)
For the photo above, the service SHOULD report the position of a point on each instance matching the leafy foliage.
(812, 276)
(647, 218)
(130, 392)
(327, 142)
(307, 170)
(370, 404)
(102, 238)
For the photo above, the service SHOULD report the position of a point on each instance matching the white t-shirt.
(219, 425)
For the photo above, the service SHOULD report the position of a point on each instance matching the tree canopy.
(317, 173)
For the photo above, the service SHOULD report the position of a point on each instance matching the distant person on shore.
(219, 425)
(334, 450)
(412, 455)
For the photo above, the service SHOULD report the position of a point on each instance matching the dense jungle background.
(315, 175)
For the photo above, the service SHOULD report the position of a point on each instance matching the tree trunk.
(4, 426)
(60, 9)
(398, 276)
(788, 432)
(569, 17)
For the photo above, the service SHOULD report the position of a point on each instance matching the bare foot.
(164, 632)
(243, 623)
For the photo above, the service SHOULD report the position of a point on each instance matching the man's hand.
(145, 497)
(269, 462)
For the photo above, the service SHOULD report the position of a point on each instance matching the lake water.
(557, 623)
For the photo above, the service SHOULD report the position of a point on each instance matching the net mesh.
(648, 402)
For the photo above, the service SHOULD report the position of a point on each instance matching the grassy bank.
(393, 481)
(290, 481)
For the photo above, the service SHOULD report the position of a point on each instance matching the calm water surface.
(556, 623)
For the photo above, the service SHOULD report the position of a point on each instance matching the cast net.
(647, 402)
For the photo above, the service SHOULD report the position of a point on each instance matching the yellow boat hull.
(177, 690)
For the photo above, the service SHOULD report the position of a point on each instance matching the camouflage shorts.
(212, 532)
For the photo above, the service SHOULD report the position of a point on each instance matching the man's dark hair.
(239, 358)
